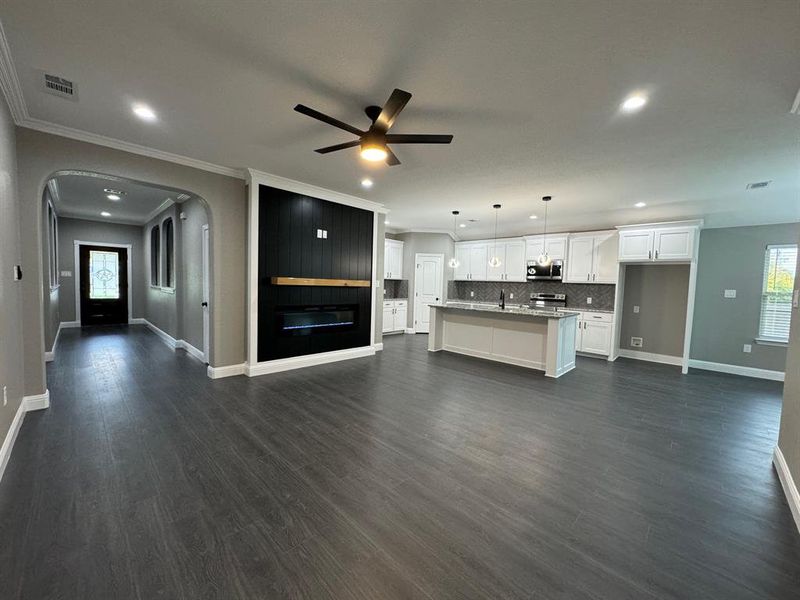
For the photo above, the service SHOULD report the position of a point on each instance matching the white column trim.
(787, 482)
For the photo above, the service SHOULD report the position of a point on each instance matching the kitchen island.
(537, 339)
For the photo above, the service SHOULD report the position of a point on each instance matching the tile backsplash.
(395, 289)
(602, 295)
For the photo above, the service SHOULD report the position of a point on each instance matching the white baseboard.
(378, 347)
(787, 481)
(165, 337)
(69, 324)
(137, 321)
(28, 403)
(226, 371)
(737, 370)
(198, 354)
(410, 330)
(665, 359)
(298, 362)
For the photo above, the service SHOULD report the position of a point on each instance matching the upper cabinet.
(512, 260)
(473, 261)
(392, 259)
(664, 242)
(592, 258)
(556, 246)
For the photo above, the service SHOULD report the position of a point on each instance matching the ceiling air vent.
(58, 86)
(183, 197)
(758, 185)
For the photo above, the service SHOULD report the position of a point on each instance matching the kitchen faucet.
(503, 299)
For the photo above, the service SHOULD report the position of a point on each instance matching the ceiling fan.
(375, 141)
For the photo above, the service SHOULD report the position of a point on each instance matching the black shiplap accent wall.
(288, 247)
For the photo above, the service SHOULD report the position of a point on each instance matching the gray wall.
(70, 230)
(660, 292)
(11, 314)
(789, 439)
(434, 243)
(41, 155)
(190, 275)
(161, 306)
(733, 258)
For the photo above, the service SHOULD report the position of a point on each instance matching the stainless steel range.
(545, 301)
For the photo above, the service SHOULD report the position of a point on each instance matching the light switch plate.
(66, 273)
(729, 294)
(588, 300)
(748, 348)
(636, 309)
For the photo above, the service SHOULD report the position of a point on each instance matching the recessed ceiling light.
(462, 224)
(105, 214)
(533, 217)
(144, 112)
(634, 102)
(114, 197)
(640, 204)
(366, 182)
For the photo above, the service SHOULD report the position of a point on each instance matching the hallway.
(405, 475)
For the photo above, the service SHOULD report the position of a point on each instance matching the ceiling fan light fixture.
(373, 152)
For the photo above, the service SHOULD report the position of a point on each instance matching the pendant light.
(453, 264)
(495, 261)
(544, 258)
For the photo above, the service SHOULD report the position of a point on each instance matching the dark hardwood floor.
(407, 475)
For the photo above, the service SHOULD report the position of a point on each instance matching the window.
(780, 262)
(169, 254)
(103, 275)
(155, 255)
(52, 241)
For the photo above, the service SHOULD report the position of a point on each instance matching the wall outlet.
(66, 273)
(471, 294)
(589, 300)
(729, 294)
(511, 296)
(636, 309)
(748, 348)
(5, 395)
(636, 342)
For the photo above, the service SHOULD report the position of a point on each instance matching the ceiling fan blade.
(418, 138)
(315, 114)
(391, 159)
(396, 102)
(327, 149)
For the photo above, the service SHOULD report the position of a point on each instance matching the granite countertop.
(590, 309)
(510, 309)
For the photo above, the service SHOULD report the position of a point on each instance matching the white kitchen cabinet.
(592, 258)
(393, 259)
(473, 259)
(395, 315)
(594, 333)
(666, 242)
(512, 261)
(556, 246)
(674, 243)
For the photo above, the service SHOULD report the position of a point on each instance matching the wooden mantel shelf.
(320, 282)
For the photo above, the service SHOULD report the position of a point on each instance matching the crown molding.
(158, 210)
(9, 82)
(255, 177)
(452, 235)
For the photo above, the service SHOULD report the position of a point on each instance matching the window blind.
(780, 262)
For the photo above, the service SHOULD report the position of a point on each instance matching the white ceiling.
(530, 91)
(82, 196)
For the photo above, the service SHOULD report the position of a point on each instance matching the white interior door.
(428, 288)
(206, 297)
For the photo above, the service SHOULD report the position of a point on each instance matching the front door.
(428, 288)
(104, 285)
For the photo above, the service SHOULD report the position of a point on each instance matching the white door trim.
(206, 258)
(77, 268)
(440, 283)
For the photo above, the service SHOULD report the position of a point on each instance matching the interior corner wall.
(70, 230)
(51, 296)
(733, 258)
(11, 299)
(789, 437)
(661, 293)
(190, 271)
(41, 155)
(433, 243)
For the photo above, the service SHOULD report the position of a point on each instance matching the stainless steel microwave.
(551, 271)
